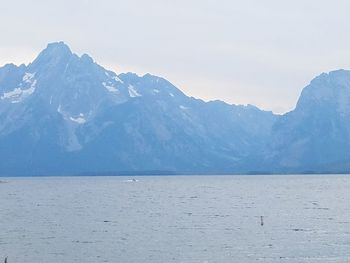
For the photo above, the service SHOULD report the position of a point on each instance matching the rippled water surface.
(175, 219)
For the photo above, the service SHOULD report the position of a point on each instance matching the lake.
(189, 219)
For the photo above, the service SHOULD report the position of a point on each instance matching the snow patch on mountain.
(116, 78)
(182, 107)
(79, 120)
(18, 94)
(28, 77)
(133, 92)
(109, 87)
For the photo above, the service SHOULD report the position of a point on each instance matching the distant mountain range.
(66, 115)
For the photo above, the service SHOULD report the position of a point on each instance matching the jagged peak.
(57, 48)
(326, 89)
(54, 52)
(86, 57)
(58, 45)
(331, 74)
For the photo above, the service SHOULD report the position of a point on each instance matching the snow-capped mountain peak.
(66, 114)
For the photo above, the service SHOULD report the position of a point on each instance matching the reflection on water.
(175, 219)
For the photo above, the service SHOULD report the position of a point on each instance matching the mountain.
(315, 136)
(64, 114)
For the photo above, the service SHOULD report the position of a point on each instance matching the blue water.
(175, 219)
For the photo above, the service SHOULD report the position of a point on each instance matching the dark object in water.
(5, 260)
(261, 220)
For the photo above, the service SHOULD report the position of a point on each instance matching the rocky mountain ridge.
(64, 114)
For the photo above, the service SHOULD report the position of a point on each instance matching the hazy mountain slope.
(315, 137)
(65, 114)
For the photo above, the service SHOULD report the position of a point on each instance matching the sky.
(242, 52)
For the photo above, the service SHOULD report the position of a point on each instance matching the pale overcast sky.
(260, 52)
